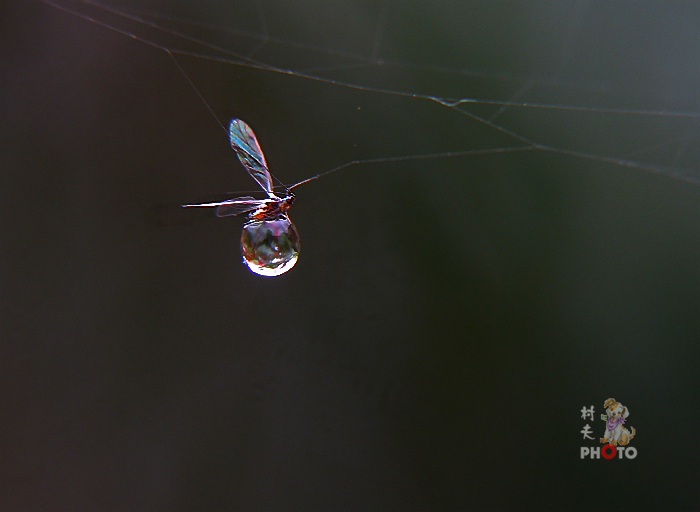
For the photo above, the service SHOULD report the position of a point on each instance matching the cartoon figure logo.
(615, 433)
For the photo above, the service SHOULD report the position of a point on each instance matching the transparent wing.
(234, 206)
(249, 153)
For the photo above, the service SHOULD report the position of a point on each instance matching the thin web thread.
(448, 154)
(454, 104)
(196, 90)
(362, 60)
(248, 61)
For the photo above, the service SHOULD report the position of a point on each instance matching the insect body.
(269, 242)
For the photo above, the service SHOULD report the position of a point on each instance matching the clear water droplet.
(270, 246)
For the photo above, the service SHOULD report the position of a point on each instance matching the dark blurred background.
(448, 317)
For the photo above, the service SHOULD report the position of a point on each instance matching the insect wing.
(234, 206)
(237, 208)
(249, 153)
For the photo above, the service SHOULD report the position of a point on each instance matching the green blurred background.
(448, 317)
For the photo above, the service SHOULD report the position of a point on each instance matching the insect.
(269, 241)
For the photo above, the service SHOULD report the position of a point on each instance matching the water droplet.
(270, 246)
